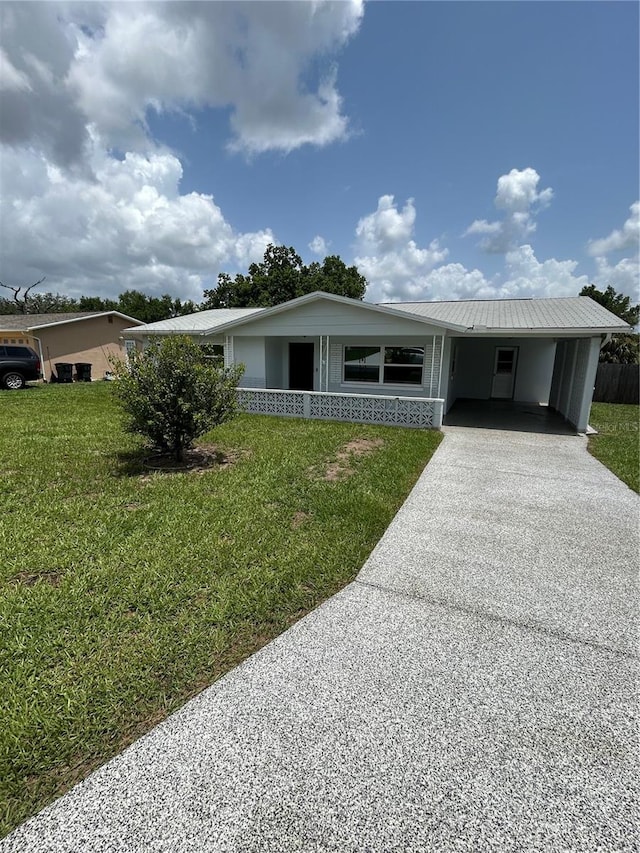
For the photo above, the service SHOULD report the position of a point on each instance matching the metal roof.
(571, 312)
(201, 321)
(25, 322)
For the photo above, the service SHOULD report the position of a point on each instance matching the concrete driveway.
(473, 690)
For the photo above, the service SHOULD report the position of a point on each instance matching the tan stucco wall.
(91, 341)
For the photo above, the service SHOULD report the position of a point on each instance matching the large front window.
(383, 365)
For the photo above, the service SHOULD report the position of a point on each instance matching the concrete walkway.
(473, 690)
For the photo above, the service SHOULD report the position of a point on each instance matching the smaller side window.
(129, 348)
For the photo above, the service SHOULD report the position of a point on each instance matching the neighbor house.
(328, 356)
(89, 337)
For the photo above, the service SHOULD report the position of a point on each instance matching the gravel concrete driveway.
(472, 690)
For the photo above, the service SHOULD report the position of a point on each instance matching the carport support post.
(589, 383)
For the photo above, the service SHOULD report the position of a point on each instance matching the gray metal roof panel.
(201, 321)
(571, 312)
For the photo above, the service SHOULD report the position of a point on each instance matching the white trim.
(441, 362)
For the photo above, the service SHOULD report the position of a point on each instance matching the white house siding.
(430, 372)
(574, 376)
(474, 364)
(274, 350)
(331, 318)
(250, 351)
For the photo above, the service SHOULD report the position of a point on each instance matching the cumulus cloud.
(628, 237)
(67, 67)
(388, 256)
(319, 245)
(128, 227)
(88, 197)
(624, 276)
(518, 196)
(398, 270)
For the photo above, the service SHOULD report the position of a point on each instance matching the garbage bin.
(64, 371)
(83, 372)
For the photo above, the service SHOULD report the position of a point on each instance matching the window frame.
(381, 366)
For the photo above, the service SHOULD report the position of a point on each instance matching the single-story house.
(322, 355)
(88, 337)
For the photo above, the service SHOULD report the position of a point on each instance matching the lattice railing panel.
(359, 408)
(259, 402)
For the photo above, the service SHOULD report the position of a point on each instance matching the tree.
(19, 303)
(334, 276)
(171, 393)
(150, 309)
(617, 303)
(282, 276)
(622, 348)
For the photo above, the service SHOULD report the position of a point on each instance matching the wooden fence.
(617, 383)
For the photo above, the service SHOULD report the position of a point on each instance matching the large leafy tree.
(622, 348)
(281, 276)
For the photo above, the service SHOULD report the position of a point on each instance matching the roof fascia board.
(87, 317)
(570, 332)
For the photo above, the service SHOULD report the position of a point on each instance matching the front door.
(301, 366)
(504, 373)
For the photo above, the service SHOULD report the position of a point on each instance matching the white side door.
(504, 373)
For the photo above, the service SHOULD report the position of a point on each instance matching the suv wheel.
(13, 381)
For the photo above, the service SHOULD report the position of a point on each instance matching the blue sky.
(449, 149)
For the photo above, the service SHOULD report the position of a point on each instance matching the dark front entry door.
(301, 367)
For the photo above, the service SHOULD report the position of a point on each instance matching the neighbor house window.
(384, 365)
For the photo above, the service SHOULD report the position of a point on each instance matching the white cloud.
(388, 256)
(129, 227)
(623, 276)
(79, 80)
(398, 270)
(518, 196)
(525, 275)
(319, 245)
(70, 66)
(626, 238)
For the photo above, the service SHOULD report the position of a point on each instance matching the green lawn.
(617, 443)
(123, 593)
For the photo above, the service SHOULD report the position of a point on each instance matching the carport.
(539, 352)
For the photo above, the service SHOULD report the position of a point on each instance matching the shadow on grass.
(131, 463)
(142, 461)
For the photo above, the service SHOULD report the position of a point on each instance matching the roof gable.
(26, 322)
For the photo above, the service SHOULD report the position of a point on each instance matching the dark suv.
(18, 365)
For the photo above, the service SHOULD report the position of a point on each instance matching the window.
(130, 348)
(362, 364)
(393, 365)
(215, 352)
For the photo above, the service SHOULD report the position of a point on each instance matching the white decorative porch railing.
(425, 412)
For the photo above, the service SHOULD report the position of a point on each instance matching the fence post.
(306, 406)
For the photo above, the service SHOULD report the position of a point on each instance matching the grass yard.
(124, 592)
(617, 444)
